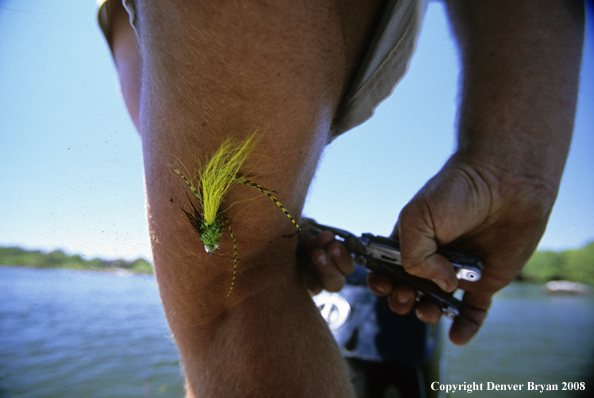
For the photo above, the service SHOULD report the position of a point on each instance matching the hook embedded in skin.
(214, 181)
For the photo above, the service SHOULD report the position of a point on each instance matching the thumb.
(418, 249)
(449, 206)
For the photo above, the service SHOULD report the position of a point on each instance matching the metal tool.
(382, 255)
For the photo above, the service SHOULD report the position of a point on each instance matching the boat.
(567, 287)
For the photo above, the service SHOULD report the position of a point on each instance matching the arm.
(493, 197)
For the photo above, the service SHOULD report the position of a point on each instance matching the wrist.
(515, 165)
(512, 187)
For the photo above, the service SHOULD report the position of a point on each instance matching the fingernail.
(336, 252)
(321, 260)
(382, 288)
(419, 314)
(403, 299)
(441, 283)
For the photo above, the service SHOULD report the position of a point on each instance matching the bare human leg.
(210, 71)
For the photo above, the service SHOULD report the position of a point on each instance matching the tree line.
(58, 259)
(573, 265)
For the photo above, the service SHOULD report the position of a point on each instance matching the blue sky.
(71, 174)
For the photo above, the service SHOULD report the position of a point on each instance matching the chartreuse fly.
(213, 182)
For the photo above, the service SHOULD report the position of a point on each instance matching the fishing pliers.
(382, 255)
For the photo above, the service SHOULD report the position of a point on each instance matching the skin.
(208, 71)
(201, 72)
(493, 197)
(327, 262)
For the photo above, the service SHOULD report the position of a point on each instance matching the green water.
(529, 336)
(83, 334)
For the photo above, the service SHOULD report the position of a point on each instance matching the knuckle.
(414, 267)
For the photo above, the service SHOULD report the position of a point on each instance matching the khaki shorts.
(383, 66)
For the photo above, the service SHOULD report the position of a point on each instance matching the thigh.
(216, 70)
(212, 70)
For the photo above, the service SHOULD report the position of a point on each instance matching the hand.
(324, 262)
(476, 209)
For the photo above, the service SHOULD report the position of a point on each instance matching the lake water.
(530, 336)
(77, 334)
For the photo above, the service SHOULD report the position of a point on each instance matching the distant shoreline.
(57, 259)
(113, 270)
(544, 266)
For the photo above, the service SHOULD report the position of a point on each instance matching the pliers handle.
(382, 255)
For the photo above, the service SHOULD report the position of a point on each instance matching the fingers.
(452, 205)
(472, 316)
(419, 250)
(402, 299)
(379, 285)
(466, 325)
(331, 262)
(428, 312)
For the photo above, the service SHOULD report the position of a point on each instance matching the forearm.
(521, 62)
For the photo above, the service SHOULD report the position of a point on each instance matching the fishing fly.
(214, 180)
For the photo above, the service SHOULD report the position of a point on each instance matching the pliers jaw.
(382, 255)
